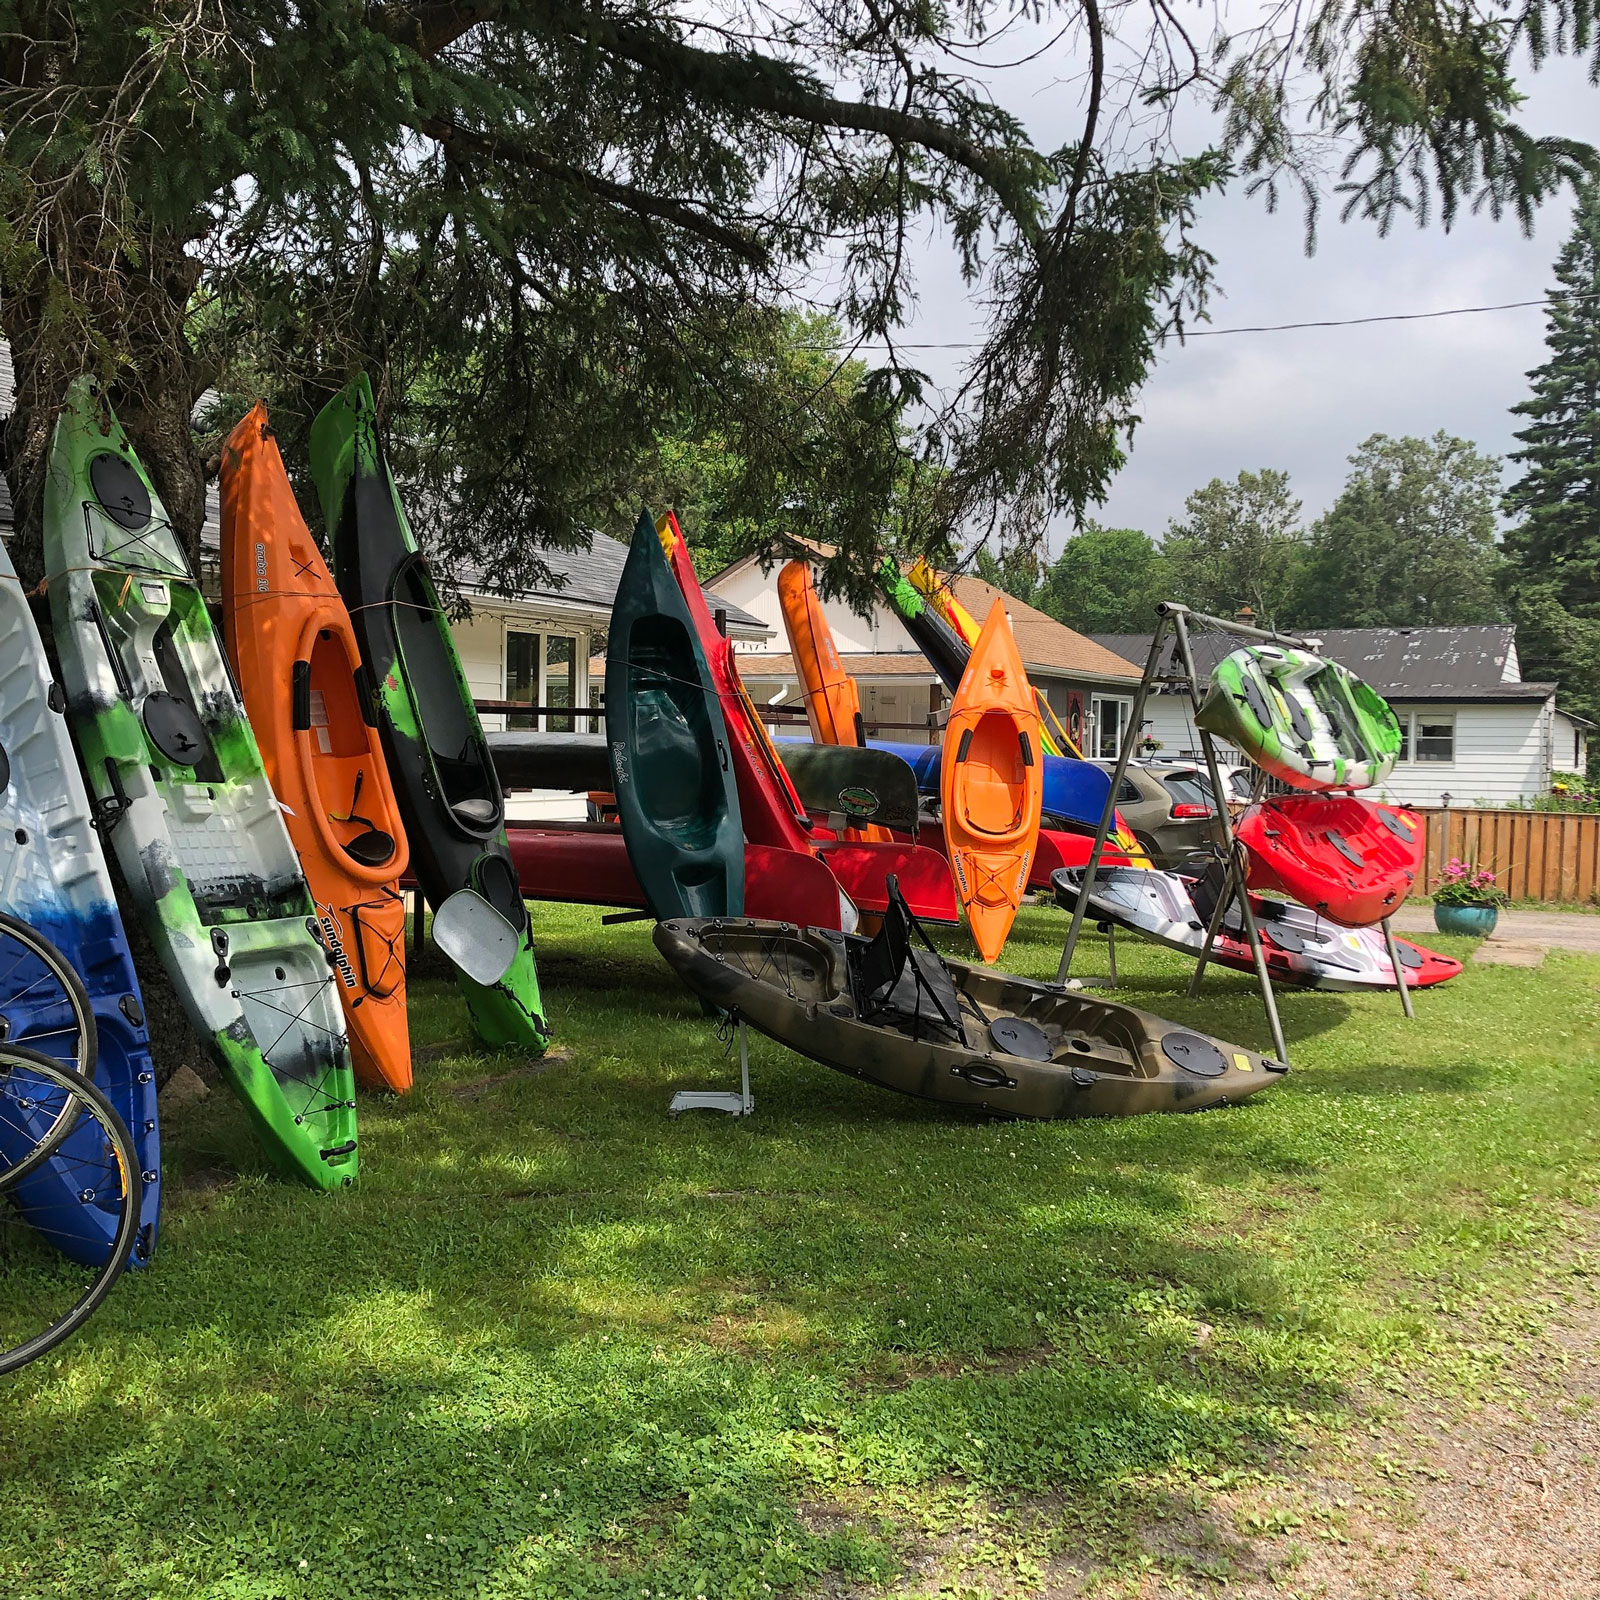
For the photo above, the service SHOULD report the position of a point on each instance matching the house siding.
(1502, 751)
(757, 592)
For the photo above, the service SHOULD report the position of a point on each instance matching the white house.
(901, 695)
(1473, 730)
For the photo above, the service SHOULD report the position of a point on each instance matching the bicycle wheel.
(58, 1115)
(43, 1006)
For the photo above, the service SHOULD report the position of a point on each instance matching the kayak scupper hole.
(280, 974)
(1082, 1044)
(22, 835)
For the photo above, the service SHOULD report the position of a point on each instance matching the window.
(1110, 723)
(522, 674)
(542, 670)
(1188, 788)
(1427, 736)
(1435, 737)
(560, 679)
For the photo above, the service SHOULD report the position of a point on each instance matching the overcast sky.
(1303, 401)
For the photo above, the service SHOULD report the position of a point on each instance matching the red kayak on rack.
(586, 863)
(1352, 860)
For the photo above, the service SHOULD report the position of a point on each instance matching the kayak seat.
(475, 812)
(893, 982)
(370, 849)
(373, 847)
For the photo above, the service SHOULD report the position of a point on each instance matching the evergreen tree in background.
(1554, 578)
(1410, 542)
(1238, 544)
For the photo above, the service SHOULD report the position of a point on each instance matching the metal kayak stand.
(1399, 971)
(1174, 616)
(741, 1104)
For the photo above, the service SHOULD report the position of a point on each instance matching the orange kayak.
(833, 703)
(991, 784)
(294, 654)
(1055, 739)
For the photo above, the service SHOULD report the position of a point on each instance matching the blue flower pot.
(1475, 922)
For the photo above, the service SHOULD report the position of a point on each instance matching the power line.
(1270, 327)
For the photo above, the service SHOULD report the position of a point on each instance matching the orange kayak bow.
(833, 703)
(294, 653)
(991, 784)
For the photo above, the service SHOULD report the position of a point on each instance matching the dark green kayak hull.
(670, 763)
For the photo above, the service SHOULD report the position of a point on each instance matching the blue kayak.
(53, 878)
(1074, 791)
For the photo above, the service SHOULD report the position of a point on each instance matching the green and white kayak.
(180, 794)
(444, 779)
(1302, 719)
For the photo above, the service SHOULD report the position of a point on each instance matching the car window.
(1187, 788)
(1129, 794)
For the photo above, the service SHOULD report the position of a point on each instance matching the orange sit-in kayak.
(295, 656)
(833, 704)
(938, 593)
(991, 784)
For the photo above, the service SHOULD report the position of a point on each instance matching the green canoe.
(446, 784)
(181, 796)
(676, 797)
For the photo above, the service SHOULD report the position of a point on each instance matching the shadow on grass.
(556, 1343)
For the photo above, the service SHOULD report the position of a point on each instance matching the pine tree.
(1554, 580)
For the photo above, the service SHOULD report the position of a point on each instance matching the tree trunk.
(130, 335)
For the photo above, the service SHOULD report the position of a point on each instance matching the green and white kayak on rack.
(1301, 718)
(181, 796)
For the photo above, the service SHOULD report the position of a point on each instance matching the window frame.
(1411, 736)
(1123, 715)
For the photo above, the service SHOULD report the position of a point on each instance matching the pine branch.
(461, 142)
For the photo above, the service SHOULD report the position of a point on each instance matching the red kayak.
(1350, 859)
(586, 863)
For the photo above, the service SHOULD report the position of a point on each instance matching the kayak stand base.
(740, 1104)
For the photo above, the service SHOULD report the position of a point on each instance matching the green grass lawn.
(556, 1344)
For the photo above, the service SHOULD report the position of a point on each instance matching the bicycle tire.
(87, 1053)
(83, 1097)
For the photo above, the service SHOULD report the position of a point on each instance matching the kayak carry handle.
(347, 1148)
(1027, 747)
(965, 745)
(302, 697)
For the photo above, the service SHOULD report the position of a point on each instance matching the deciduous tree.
(1409, 542)
(1238, 544)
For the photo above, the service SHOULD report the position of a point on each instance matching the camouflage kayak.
(181, 796)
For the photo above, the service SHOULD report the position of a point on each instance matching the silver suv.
(1171, 809)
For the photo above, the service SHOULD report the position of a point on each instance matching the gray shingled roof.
(583, 577)
(1464, 663)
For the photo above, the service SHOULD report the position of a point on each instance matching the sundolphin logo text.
(335, 946)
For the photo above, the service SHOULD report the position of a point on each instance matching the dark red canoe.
(1350, 859)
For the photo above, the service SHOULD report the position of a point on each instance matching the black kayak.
(832, 780)
(946, 651)
(890, 1010)
(670, 765)
(416, 694)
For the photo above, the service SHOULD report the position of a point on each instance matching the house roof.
(1476, 662)
(1047, 646)
(895, 664)
(1044, 642)
(590, 577)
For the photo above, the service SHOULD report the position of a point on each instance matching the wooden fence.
(1535, 855)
